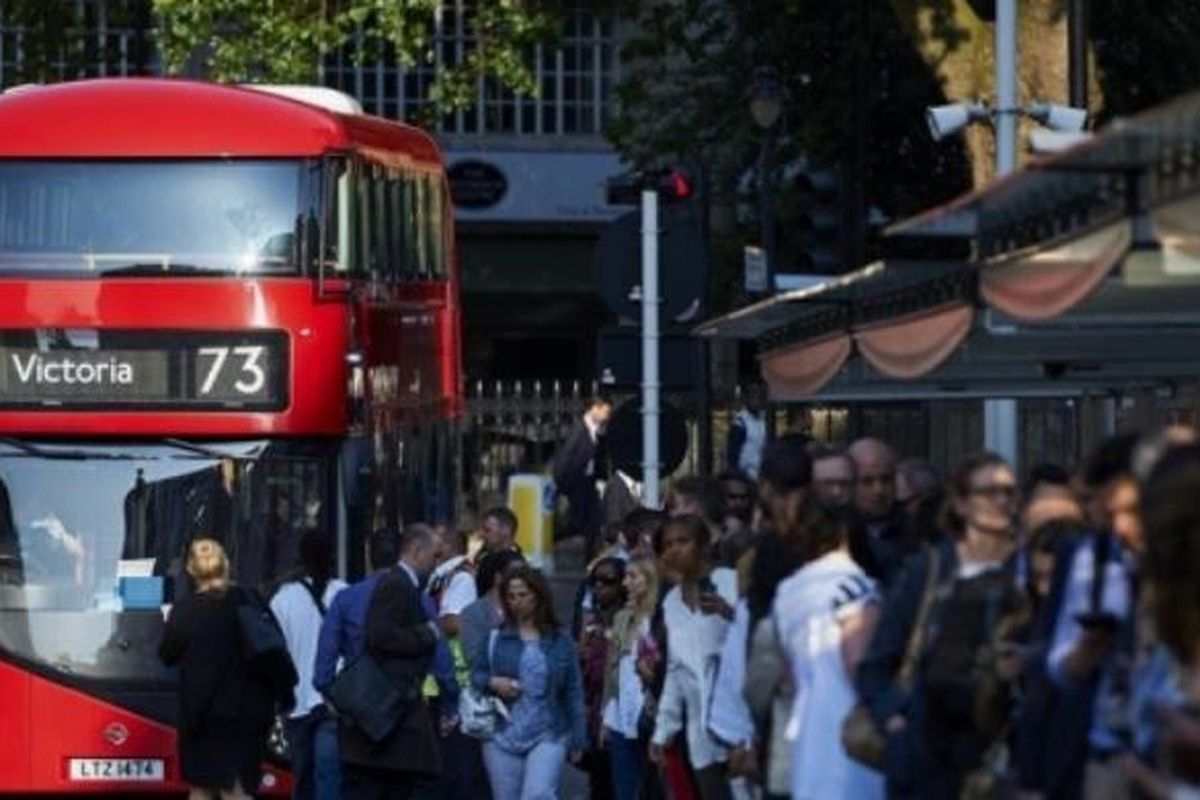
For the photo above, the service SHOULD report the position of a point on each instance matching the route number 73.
(251, 377)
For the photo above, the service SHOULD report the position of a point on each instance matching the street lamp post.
(766, 107)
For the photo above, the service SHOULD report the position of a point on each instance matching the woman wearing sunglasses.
(944, 710)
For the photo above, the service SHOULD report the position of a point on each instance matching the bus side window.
(411, 257)
(395, 192)
(379, 224)
(362, 264)
(434, 217)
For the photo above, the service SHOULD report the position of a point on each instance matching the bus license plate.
(117, 769)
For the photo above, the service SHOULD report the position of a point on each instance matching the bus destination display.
(88, 368)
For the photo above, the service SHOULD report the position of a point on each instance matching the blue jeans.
(627, 758)
(532, 776)
(316, 769)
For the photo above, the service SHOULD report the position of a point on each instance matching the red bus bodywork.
(334, 325)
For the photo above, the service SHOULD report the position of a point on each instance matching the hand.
(658, 754)
(507, 688)
(895, 724)
(447, 723)
(602, 738)
(713, 603)
(645, 669)
(743, 763)
(575, 756)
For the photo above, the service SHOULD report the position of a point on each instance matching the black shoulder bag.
(364, 695)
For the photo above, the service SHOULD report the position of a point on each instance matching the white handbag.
(480, 712)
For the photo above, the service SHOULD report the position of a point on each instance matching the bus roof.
(168, 118)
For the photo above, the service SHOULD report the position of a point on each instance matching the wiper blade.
(30, 449)
(157, 268)
(209, 452)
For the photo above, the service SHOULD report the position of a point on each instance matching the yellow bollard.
(531, 498)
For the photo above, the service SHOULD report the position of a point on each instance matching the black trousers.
(368, 783)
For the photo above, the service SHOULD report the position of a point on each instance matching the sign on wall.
(524, 186)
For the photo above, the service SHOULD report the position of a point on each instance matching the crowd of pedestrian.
(818, 622)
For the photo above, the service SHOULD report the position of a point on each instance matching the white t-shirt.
(300, 620)
(694, 642)
(459, 591)
(624, 708)
(808, 609)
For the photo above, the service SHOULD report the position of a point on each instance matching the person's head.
(784, 481)
(451, 543)
(641, 585)
(1171, 565)
(738, 493)
(491, 569)
(915, 480)
(607, 578)
(316, 553)
(1113, 500)
(694, 494)
(755, 398)
(499, 529)
(875, 478)
(207, 564)
(418, 548)
(599, 410)
(1043, 475)
(1045, 544)
(1047, 503)
(641, 528)
(685, 546)
(383, 548)
(825, 530)
(525, 597)
(982, 498)
(832, 476)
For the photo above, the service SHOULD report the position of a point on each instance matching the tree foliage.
(846, 68)
(285, 40)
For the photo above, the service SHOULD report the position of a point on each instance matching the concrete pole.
(650, 405)
(1000, 419)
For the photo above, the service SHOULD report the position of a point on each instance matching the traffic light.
(820, 229)
(674, 185)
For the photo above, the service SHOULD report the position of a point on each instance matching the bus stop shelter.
(1078, 274)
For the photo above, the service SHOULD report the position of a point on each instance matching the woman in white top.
(824, 615)
(628, 669)
(696, 613)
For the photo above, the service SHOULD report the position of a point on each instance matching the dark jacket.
(883, 553)
(565, 676)
(225, 707)
(907, 758)
(571, 461)
(400, 639)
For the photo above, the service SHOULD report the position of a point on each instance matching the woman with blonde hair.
(628, 671)
(225, 705)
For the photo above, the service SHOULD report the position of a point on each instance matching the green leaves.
(284, 40)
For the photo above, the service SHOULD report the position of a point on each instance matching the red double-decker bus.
(223, 311)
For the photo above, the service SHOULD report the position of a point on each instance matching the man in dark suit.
(877, 531)
(575, 471)
(401, 637)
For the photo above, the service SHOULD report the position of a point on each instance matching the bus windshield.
(115, 218)
(93, 539)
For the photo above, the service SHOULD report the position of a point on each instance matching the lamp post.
(766, 107)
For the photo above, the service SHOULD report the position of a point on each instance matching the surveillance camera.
(1067, 119)
(949, 119)
(1047, 142)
